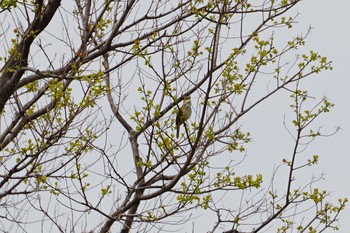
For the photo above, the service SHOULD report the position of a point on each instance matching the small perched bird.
(183, 114)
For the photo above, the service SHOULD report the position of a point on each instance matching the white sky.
(330, 37)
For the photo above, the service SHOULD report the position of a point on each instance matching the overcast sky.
(271, 141)
(330, 36)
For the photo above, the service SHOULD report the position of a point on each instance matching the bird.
(183, 114)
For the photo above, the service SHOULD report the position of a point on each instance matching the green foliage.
(305, 117)
(73, 115)
(238, 141)
(106, 191)
(8, 4)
